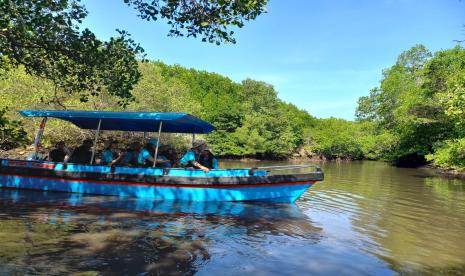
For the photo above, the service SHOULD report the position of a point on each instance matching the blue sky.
(320, 55)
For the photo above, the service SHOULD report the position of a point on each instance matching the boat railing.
(255, 171)
(285, 168)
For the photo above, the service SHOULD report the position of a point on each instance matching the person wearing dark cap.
(83, 153)
(208, 159)
(191, 157)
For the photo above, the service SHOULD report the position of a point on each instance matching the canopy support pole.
(39, 135)
(94, 148)
(158, 143)
(193, 138)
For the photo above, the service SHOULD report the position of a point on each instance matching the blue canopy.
(174, 122)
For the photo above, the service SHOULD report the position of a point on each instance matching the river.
(366, 218)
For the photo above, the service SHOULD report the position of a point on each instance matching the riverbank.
(448, 173)
(17, 153)
(23, 152)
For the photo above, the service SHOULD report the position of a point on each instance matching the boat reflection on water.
(55, 233)
(117, 204)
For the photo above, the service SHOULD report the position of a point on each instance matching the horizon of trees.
(415, 115)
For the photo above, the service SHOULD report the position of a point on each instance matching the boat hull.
(280, 192)
(158, 184)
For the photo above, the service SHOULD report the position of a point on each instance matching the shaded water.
(366, 218)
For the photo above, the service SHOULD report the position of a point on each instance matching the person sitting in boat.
(170, 153)
(110, 155)
(38, 154)
(83, 153)
(191, 157)
(131, 155)
(146, 156)
(60, 153)
(207, 159)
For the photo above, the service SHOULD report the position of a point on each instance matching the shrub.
(449, 154)
(12, 133)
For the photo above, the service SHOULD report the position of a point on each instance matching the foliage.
(208, 19)
(414, 116)
(265, 129)
(336, 138)
(446, 81)
(419, 105)
(249, 117)
(449, 154)
(44, 37)
(12, 134)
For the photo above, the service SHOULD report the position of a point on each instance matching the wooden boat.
(251, 184)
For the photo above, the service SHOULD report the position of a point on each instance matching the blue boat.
(251, 184)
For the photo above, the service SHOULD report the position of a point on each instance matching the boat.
(271, 183)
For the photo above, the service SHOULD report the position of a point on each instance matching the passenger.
(146, 158)
(171, 155)
(83, 153)
(131, 155)
(60, 153)
(110, 155)
(191, 157)
(38, 154)
(207, 159)
(163, 161)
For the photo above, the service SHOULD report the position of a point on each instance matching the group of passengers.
(199, 156)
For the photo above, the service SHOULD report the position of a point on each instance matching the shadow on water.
(57, 233)
(366, 218)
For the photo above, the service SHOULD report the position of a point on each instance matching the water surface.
(366, 218)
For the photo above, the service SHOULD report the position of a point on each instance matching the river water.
(366, 218)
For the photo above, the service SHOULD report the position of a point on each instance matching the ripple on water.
(413, 221)
(366, 218)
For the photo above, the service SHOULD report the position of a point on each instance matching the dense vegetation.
(45, 38)
(250, 119)
(418, 110)
(415, 116)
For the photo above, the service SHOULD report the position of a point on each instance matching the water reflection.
(410, 219)
(367, 218)
(57, 233)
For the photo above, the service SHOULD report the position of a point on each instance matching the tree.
(12, 133)
(44, 37)
(419, 107)
(446, 78)
(207, 18)
(336, 138)
(401, 107)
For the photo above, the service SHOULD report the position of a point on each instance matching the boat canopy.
(174, 122)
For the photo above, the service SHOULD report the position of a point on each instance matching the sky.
(321, 55)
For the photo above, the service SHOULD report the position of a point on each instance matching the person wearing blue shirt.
(110, 156)
(191, 157)
(146, 158)
(131, 155)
